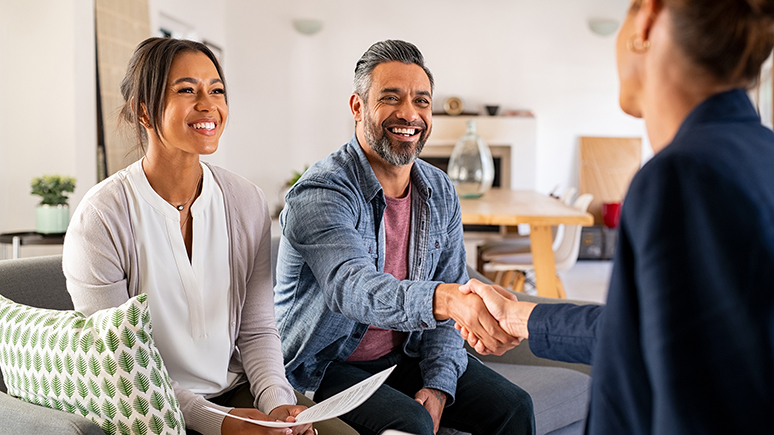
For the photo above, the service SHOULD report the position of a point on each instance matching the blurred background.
(288, 90)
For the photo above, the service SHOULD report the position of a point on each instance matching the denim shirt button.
(424, 325)
(356, 335)
(437, 244)
(369, 249)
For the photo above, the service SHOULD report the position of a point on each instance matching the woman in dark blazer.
(686, 341)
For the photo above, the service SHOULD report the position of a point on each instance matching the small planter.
(53, 213)
(52, 219)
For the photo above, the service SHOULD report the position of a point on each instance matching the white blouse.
(188, 301)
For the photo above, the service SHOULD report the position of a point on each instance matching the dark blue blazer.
(685, 344)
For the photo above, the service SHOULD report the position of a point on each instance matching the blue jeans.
(486, 403)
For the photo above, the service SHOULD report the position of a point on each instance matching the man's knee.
(509, 407)
(521, 399)
(515, 411)
(413, 418)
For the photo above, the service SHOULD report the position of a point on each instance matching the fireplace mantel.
(512, 138)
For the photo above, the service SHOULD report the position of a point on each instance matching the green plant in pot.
(53, 213)
(295, 176)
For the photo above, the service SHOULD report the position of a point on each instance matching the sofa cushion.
(560, 396)
(20, 417)
(36, 281)
(104, 367)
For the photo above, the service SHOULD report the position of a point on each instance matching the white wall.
(201, 19)
(48, 101)
(289, 92)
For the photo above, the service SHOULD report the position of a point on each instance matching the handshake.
(489, 317)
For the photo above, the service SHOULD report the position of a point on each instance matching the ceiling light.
(603, 26)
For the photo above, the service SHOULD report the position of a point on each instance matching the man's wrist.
(444, 294)
(440, 395)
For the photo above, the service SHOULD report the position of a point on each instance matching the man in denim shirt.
(370, 261)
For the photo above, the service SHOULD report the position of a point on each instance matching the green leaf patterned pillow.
(105, 367)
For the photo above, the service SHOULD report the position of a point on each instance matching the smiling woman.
(179, 111)
(134, 234)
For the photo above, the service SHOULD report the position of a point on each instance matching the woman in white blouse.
(195, 238)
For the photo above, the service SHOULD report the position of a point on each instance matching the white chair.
(568, 195)
(511, 268)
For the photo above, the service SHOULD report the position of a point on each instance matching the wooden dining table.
(513, 207)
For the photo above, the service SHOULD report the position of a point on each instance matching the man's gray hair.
(383, 52)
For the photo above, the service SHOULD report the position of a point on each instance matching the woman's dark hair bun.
(729, 39)
(765, 8)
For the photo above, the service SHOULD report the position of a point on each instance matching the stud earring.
(637, 45)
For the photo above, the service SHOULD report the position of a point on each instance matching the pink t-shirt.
(378, 342)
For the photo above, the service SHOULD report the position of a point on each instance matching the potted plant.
(296, 175)
(53, 213)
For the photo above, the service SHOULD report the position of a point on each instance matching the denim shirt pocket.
(437, 242)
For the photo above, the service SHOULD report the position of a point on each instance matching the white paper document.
(332, 407)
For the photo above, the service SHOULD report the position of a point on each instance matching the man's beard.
(397, 153)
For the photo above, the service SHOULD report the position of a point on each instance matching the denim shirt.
(330, 272)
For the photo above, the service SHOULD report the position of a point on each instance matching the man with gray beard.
(370, 262)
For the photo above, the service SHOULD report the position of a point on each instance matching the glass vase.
(471, 167)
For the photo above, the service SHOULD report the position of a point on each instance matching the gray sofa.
(559, 391)
(38, 282)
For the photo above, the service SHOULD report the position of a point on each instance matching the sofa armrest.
(23, 418)
(521, 354)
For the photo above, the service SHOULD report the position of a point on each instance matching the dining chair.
(511, 269)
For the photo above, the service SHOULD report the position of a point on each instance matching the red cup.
(611, 213)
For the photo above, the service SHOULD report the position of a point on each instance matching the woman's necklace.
(182, 207)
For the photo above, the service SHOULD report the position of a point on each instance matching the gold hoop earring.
(637, 45)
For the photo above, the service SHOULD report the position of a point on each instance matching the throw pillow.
(104, 367)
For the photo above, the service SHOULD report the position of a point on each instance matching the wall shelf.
(512, 138)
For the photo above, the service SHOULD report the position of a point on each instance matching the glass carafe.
(471, 167)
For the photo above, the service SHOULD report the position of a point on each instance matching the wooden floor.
(587, 280)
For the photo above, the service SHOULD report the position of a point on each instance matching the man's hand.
(434, 401)
(289, 413)
(233, 426)
(469, 311)
(512, 315)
